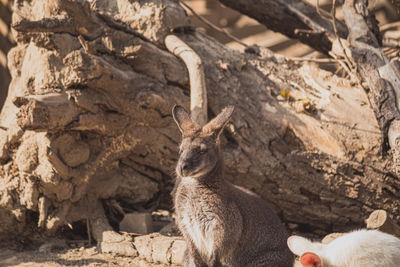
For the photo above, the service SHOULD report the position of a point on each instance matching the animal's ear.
(299, 245)
(310, 259)
(185, 124)
(216, 125)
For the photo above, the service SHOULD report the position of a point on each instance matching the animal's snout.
(185, 166)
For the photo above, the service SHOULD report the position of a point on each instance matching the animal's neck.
(216, 175)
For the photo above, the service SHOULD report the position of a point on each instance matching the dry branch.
(45, 25)
(198, 90)
(295, 19)
(380, 220)
(211, 25)
(375, 68)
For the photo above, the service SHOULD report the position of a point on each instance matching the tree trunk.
(6, 43)
(88, 118)
(306, 24)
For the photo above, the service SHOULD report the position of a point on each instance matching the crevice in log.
(110, 22)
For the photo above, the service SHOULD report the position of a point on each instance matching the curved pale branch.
(198, 90)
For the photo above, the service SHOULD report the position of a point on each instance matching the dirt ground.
(72, 255)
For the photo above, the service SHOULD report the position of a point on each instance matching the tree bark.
(294, 18)
(88, 114)
(381, 75)
(6, 43)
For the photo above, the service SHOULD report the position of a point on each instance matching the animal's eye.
(203, 148)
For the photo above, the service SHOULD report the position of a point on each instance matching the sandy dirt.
(69, 256)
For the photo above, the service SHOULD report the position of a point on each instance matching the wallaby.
(369, 248)
(222, 224)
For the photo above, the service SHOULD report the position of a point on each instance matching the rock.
(143, 246)
(177, 251)
(329, 238)
(161, 249)
(140, 223)
(27, 154)
(72, 151)
(124, 248)
(156, 248)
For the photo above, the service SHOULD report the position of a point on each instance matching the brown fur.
(223, 224)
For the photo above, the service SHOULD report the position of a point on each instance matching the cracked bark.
(113, 137)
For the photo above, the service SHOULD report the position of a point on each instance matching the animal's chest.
(199, 221)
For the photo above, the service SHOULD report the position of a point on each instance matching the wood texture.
(295, 18)
(319, 166)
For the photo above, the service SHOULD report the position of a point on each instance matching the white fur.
(201, 235)
(369, 248)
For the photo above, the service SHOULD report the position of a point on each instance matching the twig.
(304, 31)
(318, 60)
(348, 66)
(307, 21)
(319, 12)
(198, 91)
(333, 15)
(211, 25)
(43, 206)
(344, 65)
(389, 25)
(88, 231)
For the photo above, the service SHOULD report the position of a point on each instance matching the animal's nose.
(185, 166)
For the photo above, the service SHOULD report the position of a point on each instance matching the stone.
(330, 237)
(143, 246)
(161, 249)
(156, 248)
(138, 223)
(124, 248)
(177, 251)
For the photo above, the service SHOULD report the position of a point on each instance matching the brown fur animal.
(223, 224)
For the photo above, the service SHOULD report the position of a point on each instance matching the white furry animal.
(363, 248)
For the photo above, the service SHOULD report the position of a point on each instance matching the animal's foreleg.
(191, 257)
